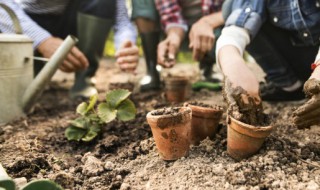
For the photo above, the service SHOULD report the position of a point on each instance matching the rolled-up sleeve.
(124, 29)
(248, 14)
(29, 27)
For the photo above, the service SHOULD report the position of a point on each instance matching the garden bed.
(124, 156)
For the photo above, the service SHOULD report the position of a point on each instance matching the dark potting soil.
(201, 104)
(248, 112)
(166, 111)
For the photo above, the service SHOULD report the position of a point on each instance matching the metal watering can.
(18, 89)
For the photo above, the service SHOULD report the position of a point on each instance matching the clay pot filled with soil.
(176, 88)
(171, 130)
(245, 140)
(205, 120)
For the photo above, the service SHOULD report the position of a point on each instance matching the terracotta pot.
(176, 88)
(205, 121)
(171, 133)
(245, 140)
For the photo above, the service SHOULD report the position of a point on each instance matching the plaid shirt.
(171, 16)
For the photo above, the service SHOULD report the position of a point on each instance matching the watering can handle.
(14, 18)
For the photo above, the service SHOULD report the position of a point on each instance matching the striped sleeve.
(29, 27)
(124, 29)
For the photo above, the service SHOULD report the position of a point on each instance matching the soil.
(201, 104)
(124, 156)
(166, 111)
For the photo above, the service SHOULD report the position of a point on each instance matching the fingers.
(66, 67)
(200, 46)
(309, 106)
(80, 57)
(307, 122)
(128, 56)
(165, 58)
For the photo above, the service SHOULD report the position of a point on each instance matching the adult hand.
(74, 61)
(168, 48)
(309, 113)
(201, 38)
(127, 56)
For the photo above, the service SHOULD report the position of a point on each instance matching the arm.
(175, 27)
(201, 35)
(43, 41)
(29, 27)
(125, 37)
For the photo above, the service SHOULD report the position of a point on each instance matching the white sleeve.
(29, 27)
(124, 29)
(235, 36)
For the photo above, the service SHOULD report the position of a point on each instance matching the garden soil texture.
(124, 156)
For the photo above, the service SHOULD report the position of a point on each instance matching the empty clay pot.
(205, 121)
(245, 140)
(176, 88)
(171, 132)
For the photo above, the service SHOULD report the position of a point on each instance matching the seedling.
(6, 183)
(92, 117)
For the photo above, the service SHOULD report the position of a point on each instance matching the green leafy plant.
(92, 117)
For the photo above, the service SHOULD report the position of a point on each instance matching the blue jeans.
(283, 62)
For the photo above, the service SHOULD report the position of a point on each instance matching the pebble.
(312, 185)
(109, 166)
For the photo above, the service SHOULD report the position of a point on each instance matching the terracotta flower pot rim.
(176, 80)
(183, 112)
(250, 130)
(204, 112)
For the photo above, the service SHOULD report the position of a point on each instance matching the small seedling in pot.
(92, 117)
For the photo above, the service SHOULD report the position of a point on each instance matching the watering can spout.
(35, 89)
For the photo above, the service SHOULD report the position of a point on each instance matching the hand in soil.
(308, 114)
(242, 106)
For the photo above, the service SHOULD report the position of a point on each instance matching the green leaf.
(115, 97)
(126, 110)
(92, 133)
(74, 133)
(42, 184)
(106, 113)
(79, 122)
(82, 108)
(92, 102)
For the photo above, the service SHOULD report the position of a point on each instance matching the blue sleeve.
(29, 27)
(248, 14)
(124, 29)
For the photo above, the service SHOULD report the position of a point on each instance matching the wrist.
(214, 20)
(176, 34)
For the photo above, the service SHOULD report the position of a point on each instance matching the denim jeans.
(283, 62)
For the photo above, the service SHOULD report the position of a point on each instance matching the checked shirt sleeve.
(29, 27)
(170, 14)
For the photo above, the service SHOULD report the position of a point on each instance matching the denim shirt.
(300, 17)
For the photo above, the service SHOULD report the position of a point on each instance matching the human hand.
(308, 114)
(241, 105)
(168, 48)
(127, 56)
(74, 61)
(201, 38)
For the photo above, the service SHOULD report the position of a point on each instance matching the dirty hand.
(309, 113)
(127, 56)
(168, 48)
(74, 61)
(201, 38)
(241, 105)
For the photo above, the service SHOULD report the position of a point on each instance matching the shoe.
(149, 44)
(83, 89)
(92, 34)
(270, 92)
